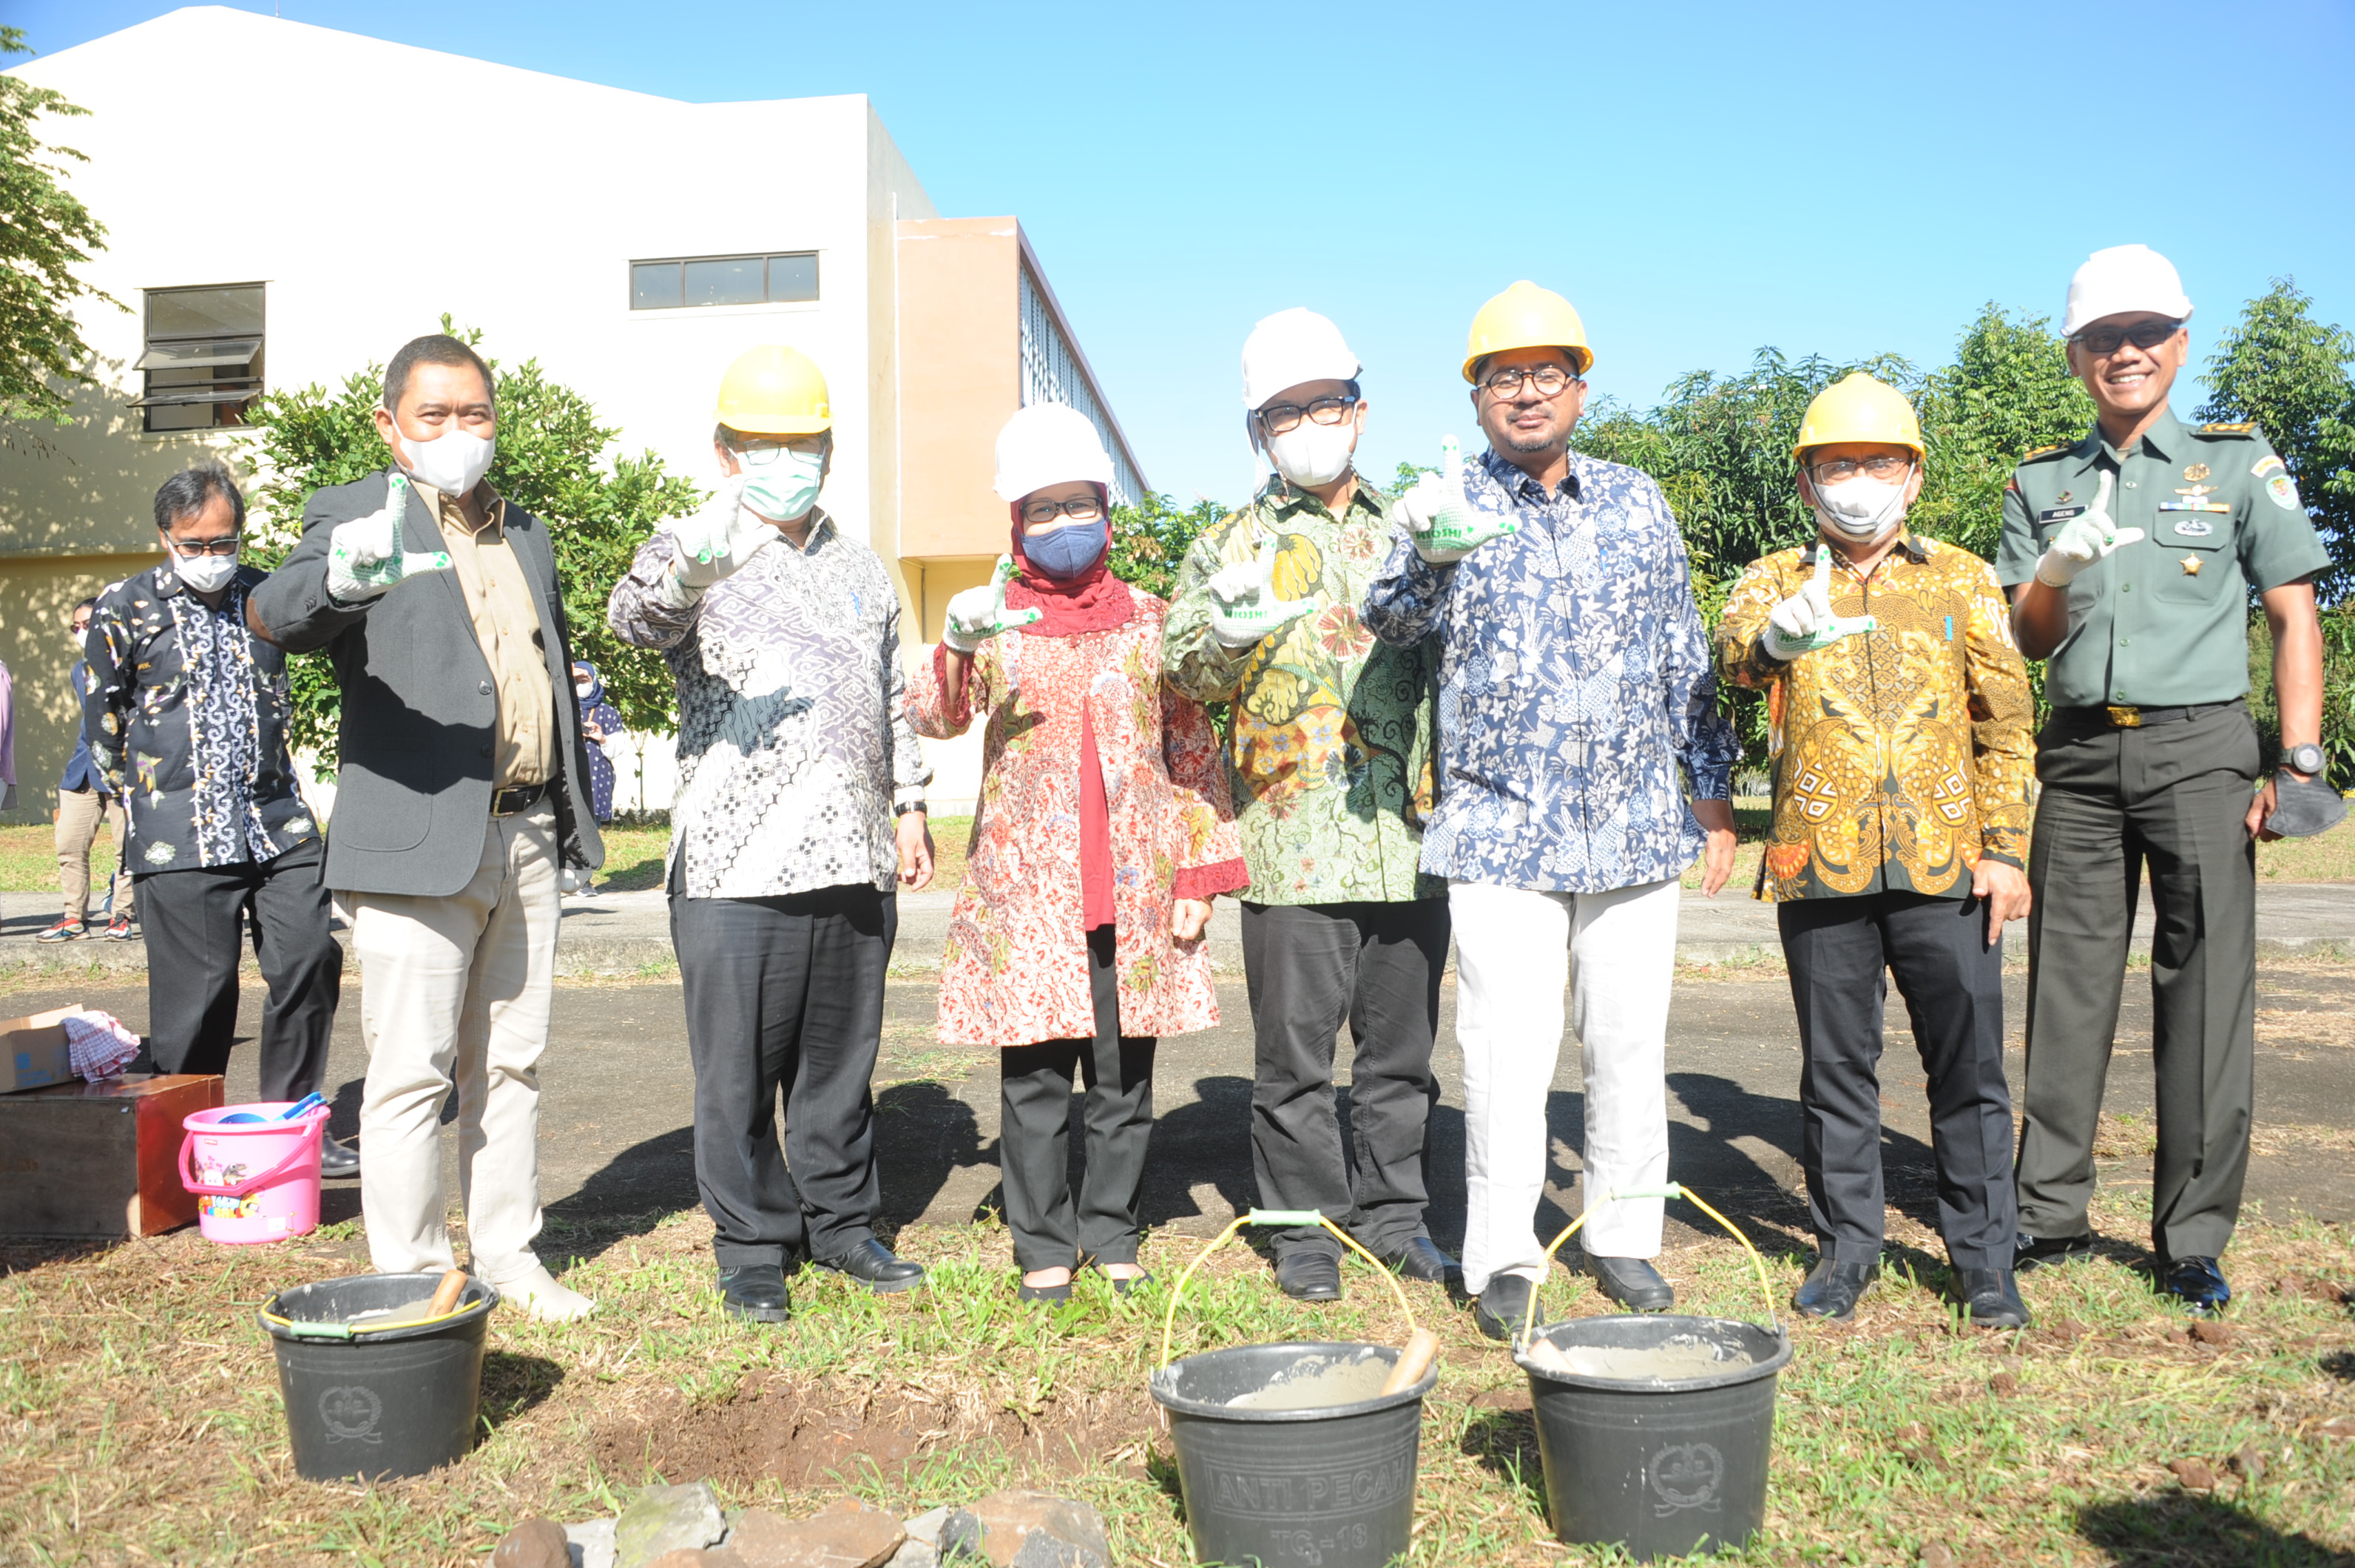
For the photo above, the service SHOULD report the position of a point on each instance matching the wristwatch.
(2307, 758)
(903, 808)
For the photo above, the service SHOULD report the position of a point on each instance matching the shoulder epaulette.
(2049, 450)
(2246, 427)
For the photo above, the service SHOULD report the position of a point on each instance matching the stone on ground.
(596, 1539)
(1038, 1529)
(666, 1518)
(846, 1533)
(534, 1544)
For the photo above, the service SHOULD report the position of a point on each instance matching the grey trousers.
(1034, 1134)
(1310, 968)
(1841, 952)
(2172, 797)
(786, 994)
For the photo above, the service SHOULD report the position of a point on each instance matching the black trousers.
(1034, 1134)
(195, 922)
(2171, 798)
(1841, 952)
(786, 994)
(1310, 967)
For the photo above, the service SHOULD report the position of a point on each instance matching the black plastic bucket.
(1331, 1487)
(367, 1404)
(1661, 1467)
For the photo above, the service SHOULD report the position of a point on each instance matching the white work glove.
(1443, 524)
(977, 615)
(2083, 539)
(365, 557)
(1245, 607)
(1805, 622)
(717, 540)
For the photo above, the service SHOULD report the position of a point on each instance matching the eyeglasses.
(191, 548)
(1079, 509)
(2103, 340)
(1548, 379)
(1282, 418)
(1836, 470)
(761, 454)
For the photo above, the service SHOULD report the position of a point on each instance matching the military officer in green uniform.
(2130, 555)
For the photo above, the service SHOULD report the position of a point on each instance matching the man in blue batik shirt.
(1575, 686)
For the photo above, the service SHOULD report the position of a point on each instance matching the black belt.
(522, 798)
(2125, 716)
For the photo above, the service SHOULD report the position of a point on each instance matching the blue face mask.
(1066, 551)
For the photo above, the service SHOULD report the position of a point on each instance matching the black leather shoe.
(2197, 1283)
(2031, 1253)
(1421, 1259)
(1501, 1310)
(338, 1162)
(1310, 1276)
(755, 1291)
(1633, 1283)
(877, 1266)
(1122, 1286)
(1833, 1287)
(1991, 1298)
(1028, 1293)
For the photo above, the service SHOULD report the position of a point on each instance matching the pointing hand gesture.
(1805, 622)
(1244, 606)
(1443, 524)
(719, 539)
(365, 557)
(2083, 539)
(978, 614)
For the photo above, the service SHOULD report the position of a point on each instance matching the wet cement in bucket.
(1315, 1382)
(1684, 1356)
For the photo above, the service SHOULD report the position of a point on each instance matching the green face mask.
(780, 484)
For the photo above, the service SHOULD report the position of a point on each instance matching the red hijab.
(1094, 600)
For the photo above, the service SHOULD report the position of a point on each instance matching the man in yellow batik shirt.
(1902, 809)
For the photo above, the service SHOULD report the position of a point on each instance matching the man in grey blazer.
(461, 793)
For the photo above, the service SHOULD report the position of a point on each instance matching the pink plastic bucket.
(254, 1181)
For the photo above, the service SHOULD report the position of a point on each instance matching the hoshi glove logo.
(350, 1414)
(1686, 1475)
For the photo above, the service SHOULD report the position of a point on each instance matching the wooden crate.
(99, 1160)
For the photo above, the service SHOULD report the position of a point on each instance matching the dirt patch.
(823, 1434)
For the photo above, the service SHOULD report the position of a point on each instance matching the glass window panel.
(735, 281)
(654, 285)
(199, 351)
(180, 416)
(204, 313)
(793, 278)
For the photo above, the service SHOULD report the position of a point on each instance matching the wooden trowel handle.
(1422, 1349)
(446, 1294)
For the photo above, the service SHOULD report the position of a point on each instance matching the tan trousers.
(454, 992)
(78, 813)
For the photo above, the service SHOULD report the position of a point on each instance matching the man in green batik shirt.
(1331, 766)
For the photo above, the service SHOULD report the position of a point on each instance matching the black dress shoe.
(1310, 1276)
(337, 1161)
(1633, 1283)
(1991, 1298)
(877, 1266)
(1421, 1259)
(1043, 1292)
(2197, 1283)
(755, 1291)
(1832, 1288)
(1501, 1310)
(1121, 1286)
(2031, 1253)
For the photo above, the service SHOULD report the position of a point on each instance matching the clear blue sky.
(1185, 170)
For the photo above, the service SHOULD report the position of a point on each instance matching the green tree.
(2008, 392)
(2289, 372)
(1150, 540)
(45, 234)
(552, 462)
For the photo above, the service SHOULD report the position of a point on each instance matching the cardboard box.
(33, 1051)
(100, 1159)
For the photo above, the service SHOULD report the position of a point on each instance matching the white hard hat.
(2121, 279)
(1290, 348)
(1048, 443)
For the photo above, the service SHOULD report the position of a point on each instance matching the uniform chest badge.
(2190, 565)
(2196, 473)
(2061, 499)
(2195, 527)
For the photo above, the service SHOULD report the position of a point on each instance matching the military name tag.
(2059, 514)
(2195, 527)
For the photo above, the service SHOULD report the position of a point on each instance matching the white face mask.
(785, 485)
(1313, 454)
(1861, 508)
(205, 573)
(452, 462)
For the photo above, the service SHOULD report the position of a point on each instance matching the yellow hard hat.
(774, 390)
(1857, 407)
(1526, 317)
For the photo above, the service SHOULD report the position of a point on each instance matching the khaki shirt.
(506, 624)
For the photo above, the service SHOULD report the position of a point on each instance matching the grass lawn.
(140, 1417)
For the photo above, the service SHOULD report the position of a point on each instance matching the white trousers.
(454, 994)
(1515, 950)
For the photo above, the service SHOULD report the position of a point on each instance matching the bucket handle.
(1671, 1190)
(235, 1190)
(1286, 1217)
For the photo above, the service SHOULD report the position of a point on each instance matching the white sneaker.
(538, 1294)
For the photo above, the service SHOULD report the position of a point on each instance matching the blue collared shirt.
(1574, 685)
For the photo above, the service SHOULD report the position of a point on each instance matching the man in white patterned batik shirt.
(800, 806)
